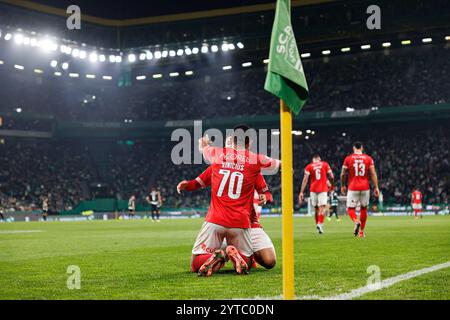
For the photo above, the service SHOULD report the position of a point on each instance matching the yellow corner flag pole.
(287, 201)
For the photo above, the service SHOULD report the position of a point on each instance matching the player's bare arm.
(374, 178)
(301, 195)
(343, 176)
(331, 178)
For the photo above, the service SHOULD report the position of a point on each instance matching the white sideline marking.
(369, 288)
(19, 231)
(387, 282)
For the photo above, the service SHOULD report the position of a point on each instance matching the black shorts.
(45, 212)
(155, 208)
(131, 211)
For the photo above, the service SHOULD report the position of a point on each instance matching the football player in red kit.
(233, 178)
(416, 203)
(263, 249)
(318, 173)
(359, 167)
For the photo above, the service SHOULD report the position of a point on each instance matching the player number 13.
(236, 178)
(360, 169)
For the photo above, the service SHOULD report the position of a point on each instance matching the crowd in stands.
(405, 155)
(398, 77)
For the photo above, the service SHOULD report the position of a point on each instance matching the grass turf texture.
(144, 260)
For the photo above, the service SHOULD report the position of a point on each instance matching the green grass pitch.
(144, 260)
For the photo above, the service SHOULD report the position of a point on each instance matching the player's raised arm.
(301, 195)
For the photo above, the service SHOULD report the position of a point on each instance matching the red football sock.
(352, 214)
(363, 218)
(320, 219)
(198, 260)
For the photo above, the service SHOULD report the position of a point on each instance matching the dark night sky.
(120, 9)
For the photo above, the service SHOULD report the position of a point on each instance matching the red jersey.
(317, 172)
(233, 178)
(416, 197)
(358, 171)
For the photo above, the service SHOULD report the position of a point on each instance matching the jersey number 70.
(235, 178)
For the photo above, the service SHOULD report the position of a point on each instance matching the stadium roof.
(134, 12)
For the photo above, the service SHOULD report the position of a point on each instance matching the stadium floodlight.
(214, 48)
(118, 59)
(231, 46)
(53, 63)
(131, 57)
(33, 42)
(427, 40)
(344, 134)
(227, 67)
(26, 41)
(8, 36)
(142, 56)
(141, 78)
(38, 71)
(406, 42)
(308, 131)
(58, 74)
(107, 78)
(102, 58)
(2, 62)
(18, 38)
(240, 45)
(74, 75)
(48, 45)
(189, 73)
(204, 48)
(93, 57)
(224, 47)
(447, 38)
(386, 44)
(305, 55)
(346, 49)
(164, 54)
(112, 58)
(149, 55)
(91, 76)
(157, 76)
(75, 53)
(19, 110)
(326, 52)
(172, 53)
(247, 64)
(195, 50)
(180, 52)
(365, 47)
(266, 61)
(65, 66)
(307, 137)
(19, 67)
(157, 55)
(174, 74)
(188, 51)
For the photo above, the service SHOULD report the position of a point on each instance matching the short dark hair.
(357, 145)
(244, 129)
(316, 155)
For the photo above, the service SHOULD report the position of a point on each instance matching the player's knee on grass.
(197, 260)
(266, 258)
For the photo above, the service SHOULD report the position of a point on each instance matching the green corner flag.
(285, 77)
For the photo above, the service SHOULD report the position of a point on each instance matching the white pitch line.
(369, 288)
(387, 282)
(19, 231)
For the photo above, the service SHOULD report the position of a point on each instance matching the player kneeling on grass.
(233, 177)
(359, 167)
(263, 249)
(317, 172)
